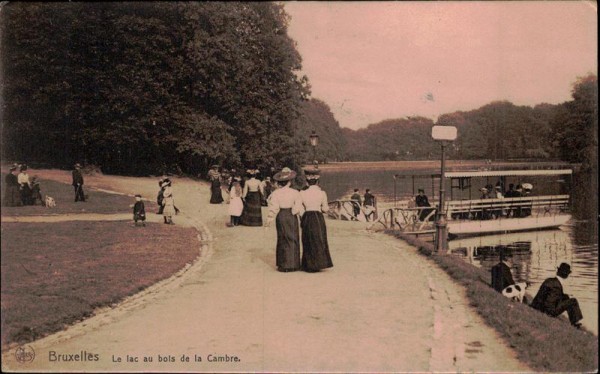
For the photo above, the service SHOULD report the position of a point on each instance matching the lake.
(534, 256)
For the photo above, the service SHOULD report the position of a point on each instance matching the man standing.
(355, 198)
(369, 204)
(78, 184)
(551, 299)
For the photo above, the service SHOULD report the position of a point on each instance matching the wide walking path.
(381, 308)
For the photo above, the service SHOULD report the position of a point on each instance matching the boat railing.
(416, 220)
(507, 207)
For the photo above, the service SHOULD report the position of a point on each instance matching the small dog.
(516, 292)
(50, 203)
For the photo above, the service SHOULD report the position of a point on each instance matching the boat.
(469, 217)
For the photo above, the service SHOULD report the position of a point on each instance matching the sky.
(371, 61)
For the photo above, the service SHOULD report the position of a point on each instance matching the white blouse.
(23, 178)
(252, 185)
(284, 198)
(314, 199)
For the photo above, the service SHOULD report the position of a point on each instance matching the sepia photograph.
(299, 187)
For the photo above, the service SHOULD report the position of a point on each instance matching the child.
(236, 206)
(139, 211)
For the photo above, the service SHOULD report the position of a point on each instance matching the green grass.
(542, 342)
(54, 274)
(63, 194)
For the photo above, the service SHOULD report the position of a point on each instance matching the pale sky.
(371, 61)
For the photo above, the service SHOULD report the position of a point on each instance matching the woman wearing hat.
(315, 254)
(24, 186)
(11, 191)
(252, 215)
(214, 177)
(168, 202)
(285, 204)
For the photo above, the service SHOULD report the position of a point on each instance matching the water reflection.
(535, 256)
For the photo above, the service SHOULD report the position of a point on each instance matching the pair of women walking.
(285, 204)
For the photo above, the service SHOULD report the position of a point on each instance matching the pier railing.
(344, 209)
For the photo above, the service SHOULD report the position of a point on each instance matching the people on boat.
(526, 211)
(315, 255)
(356, 203)
(511, 191)
(552, 300)
(284, 206)
(370, 205)
(252, 192)
(501, 274)
(422, 201)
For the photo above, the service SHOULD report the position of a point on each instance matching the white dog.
(516, 292)
(50, 203)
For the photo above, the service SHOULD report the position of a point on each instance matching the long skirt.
(215, 192)
(288, 241)
(169, 207)
(12, 196)
(252, 214)
(315, 255)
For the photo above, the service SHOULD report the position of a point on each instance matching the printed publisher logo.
(25, 354)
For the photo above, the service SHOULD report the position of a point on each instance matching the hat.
(23, 167)
(312, 173)
(564, 269)
(483, 189)
(214, 166)
(138, 195)
(251, 171)
(527, 186)
(77, 165)
(12, 168)
(166, 182)
(498, 187)
(421, 190)
(286, 174)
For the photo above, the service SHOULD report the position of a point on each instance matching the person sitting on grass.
(552, 300)
(139, 211)
(501, 275)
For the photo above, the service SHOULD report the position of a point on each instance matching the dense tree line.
(150, 87)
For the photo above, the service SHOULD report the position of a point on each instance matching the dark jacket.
(501, 276)
(139, 211)
(549, 296)
(77, 177)
(422, 200)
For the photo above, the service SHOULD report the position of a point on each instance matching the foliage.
(141, 87)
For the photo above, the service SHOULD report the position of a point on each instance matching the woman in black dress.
(252, 214)
(315, 255)
(12, 196)
(285, 204)
(216, 197)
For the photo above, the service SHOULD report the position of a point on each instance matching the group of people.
(165, 201)
(287, 206)
(550, 298)
(21, 190)
(367, 205)
(521, 190)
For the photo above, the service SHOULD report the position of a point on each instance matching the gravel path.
(381, 308)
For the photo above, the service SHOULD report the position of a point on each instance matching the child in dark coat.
(139, 211)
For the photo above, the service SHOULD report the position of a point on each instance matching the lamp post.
(443, 134)
(314, 141)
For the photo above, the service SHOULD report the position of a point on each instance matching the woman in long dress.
(315, 255)
(285, 204)
(252, 214)
(168, 202)
(12, 195)
(236, 206)
(216, 197)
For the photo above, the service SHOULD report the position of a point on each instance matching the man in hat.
(78, 184)
(139, 211)
(422, 201)
(356, 203)
(552, 300)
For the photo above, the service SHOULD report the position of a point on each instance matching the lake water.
(534, 256)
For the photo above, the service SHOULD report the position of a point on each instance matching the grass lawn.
(63, 194)
(542, 342)
(54, 274)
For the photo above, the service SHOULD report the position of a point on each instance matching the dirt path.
(382, 307)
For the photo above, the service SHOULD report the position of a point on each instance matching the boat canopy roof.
(502, 173)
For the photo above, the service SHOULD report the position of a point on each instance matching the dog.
(516, 292)
(49, 202)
